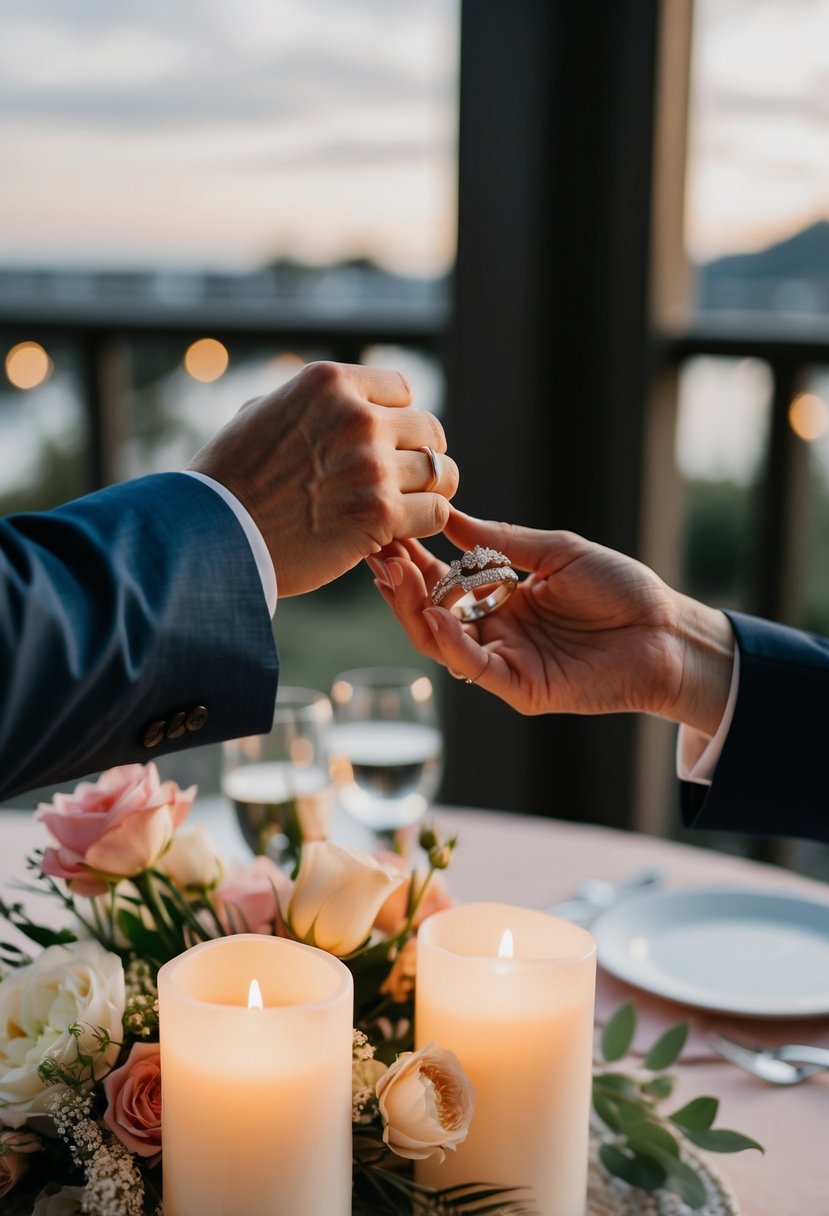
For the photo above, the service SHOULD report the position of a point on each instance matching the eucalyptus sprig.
(640, 1143)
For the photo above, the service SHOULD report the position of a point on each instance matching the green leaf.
(686, 1182)
(617, 1081)
(659, 1087)
(607, 1111)
(145, 940)
(667, 1048)
(721, 1140)
(697, 1116)
(652, 1140)
(617, 1035)
(638, 1171)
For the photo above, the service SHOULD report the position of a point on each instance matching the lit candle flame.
(255, 996)
(506, 948)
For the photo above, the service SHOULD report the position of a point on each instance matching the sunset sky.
(211, 133)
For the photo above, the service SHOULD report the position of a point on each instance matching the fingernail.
(395, 571)
(380, 570)
(432, 619)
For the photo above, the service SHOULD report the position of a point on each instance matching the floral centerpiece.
(80, 1077)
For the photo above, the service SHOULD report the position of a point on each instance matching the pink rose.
(248, 899)
(133, 1094)
(14, 1149)
(392, 916)
(112, 828)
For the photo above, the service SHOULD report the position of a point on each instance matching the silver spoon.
(595, 895)
(786, 1065)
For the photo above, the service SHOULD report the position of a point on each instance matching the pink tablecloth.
(537, 862)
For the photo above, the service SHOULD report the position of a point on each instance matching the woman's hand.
(588, 631)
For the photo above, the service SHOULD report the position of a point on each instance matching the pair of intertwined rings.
(478, 567)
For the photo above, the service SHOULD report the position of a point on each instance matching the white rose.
(65, 1202)
(426, 1103)
(192, 860)
(337, 895)
(82, 983)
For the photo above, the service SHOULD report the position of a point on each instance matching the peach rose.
(14, 1152)
(112, 828)
(248, 899)
(392, 916)
(337, 895)
(426, 1103)
(133, 1094)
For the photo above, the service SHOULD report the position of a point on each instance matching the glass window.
(724, 415)
(757, 221)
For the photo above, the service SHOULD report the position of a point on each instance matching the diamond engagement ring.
(476, 568)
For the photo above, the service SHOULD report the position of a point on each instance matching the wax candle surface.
(523, 1028)
(256, 1103)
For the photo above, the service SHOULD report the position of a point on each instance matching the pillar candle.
(256, 1102)
(522, 1028)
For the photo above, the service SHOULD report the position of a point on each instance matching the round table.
(536, 862)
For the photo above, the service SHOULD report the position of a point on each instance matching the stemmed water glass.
(385, 748)
(279, 783)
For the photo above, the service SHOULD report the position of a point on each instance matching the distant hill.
(790, 276)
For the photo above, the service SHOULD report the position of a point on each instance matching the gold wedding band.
(478, 674)
(433, 457)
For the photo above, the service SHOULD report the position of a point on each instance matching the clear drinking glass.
(385, 748)
(280, 783)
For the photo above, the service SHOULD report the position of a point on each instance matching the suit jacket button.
(154, 733)
(196, 718)
(176, 727)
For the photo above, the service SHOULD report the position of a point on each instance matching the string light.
(28, 365)
(206, 360)
(808, 416)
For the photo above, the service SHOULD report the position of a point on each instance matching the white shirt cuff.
(258, 548)
(697, 753)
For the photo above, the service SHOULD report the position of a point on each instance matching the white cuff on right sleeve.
(697, 753)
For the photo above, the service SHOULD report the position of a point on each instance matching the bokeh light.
(808, 416)
(28, 365)
(206, 360)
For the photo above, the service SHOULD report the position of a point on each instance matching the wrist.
(706, 645)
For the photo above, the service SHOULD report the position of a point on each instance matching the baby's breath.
(141, 1009)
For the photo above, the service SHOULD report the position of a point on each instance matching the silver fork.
(788, 1064)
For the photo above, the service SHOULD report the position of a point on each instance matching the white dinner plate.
(726, 949)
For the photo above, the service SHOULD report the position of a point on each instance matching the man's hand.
(328, 466)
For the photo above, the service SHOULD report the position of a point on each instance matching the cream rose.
(65, 1202)
(112, 828)
(426, 1103)
(337, 895)
(192, 861)
(82, 983)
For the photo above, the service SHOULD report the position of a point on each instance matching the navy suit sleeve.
(126, 615)
(772, 777)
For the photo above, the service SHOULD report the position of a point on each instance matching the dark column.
(550, 355)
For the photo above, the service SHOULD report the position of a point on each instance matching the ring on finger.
(435, 463)
(479, 673)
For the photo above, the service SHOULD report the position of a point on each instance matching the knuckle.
(438, 436)
(440, 514)
(454, 478)
(322, 375)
